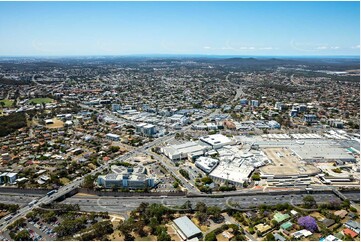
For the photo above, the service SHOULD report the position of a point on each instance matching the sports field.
(41, 100)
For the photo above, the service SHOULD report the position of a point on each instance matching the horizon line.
(174, 55)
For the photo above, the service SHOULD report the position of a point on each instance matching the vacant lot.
(41, 100)
(57, 124)
(285, 163)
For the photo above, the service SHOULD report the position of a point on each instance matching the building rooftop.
(187, 227)
(279, 217)
(216, 140)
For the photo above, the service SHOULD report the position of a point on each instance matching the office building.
(115, 107)
(126, 177)
(310, 118)
(113, 137)
(8, 178)
(254, 103)
(244, 102)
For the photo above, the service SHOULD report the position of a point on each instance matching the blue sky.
(220, 28)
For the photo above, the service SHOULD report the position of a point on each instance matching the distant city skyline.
(180, 28)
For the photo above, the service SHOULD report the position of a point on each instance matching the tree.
(308, 223)
(202, 217)
(270, 237)
(142, 208)
(139, 228)
(114, 149)
(214, 211)
(23, 235)
(309, 201)
(201, 207)
(153, 223)
(175, 184)
(210, 236)
(207, 180)
(164, 236)
(184, 173)
(187, 205)
(256, 177)
(49, 217)
(88, 182)
(31, 215)
(127, 226)
(274, 223)
(346, 203)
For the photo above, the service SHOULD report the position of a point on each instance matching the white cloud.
(227, 48)
(247, 48)
(334, 47)
(356, 47)
(207, 47)
(266, 48)
(322, 48)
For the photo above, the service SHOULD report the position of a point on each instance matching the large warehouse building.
(217, 140)
(177, 152)
(186, 228)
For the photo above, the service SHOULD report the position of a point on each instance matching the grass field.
(7, 102)
(64, 180)
(41, 100)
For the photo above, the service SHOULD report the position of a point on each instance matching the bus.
(51, 192)
(32, 202)
(8, 218)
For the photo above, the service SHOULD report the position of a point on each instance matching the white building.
(127, 177)
(177, 152)
(217, 140)
(206, 164)
(279, 106)
(273, 124)
(113, 137)
(8, 177)
(236, 166)
(149, 130)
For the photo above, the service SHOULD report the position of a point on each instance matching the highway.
(122, 205)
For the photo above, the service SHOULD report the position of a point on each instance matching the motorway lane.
(17, 198)
(122, 205)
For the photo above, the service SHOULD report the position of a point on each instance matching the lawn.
(7, 102)
(41, 100)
